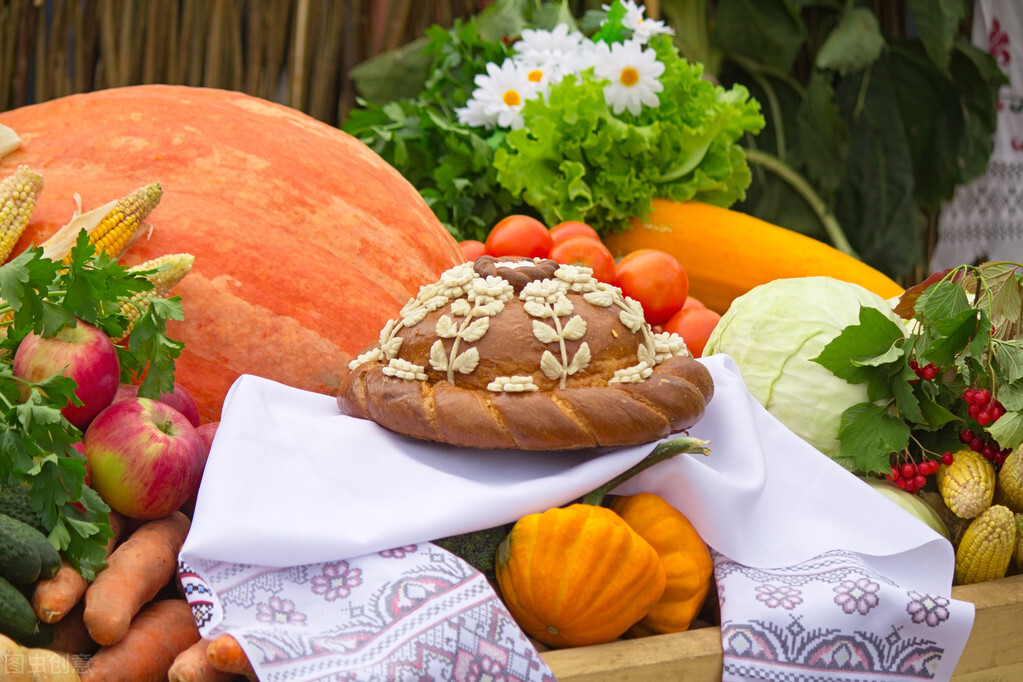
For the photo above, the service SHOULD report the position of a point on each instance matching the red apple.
(179, 398)
(207, 432)
(84, 354)
(145, 458)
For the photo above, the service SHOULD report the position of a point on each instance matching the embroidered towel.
(299, 502)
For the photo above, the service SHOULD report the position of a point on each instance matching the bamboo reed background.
(296, 52)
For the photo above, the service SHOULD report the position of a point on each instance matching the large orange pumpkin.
(305, 241)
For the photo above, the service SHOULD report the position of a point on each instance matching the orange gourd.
(726, 253)
(687, 563)
(305, 240)
(577, 575)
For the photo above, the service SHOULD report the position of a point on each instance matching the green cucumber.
(14, 503)
(19, 551)
(17, 619)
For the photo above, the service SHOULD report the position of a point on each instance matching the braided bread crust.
(530, 355)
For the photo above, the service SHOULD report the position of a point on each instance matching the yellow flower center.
(629, 76)
(512, 98)
(535, 75)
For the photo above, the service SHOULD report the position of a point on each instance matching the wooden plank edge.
(994, 650)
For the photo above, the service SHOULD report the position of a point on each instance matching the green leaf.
(937, 22)
(868, 435)
(394, 74)
(977, 78)
(766, 31)
(855, 43)
(874, 205)
(1008, 358)
(953, 336)
(859, 349)
(932, 413)
(1008, 430)
(823, 135)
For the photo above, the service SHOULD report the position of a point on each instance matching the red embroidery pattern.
(998, 43)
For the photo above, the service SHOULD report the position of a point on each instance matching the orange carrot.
(135, 573)
(161, 631)
(191, 665)
(54, 597)
(226, 654)
(70, 635)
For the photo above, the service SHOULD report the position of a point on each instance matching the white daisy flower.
(499, 95)
(635, 20)
(633, 73)
(473, 115)
(540, 42)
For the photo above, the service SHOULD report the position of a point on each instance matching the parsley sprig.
(967, 321)
(36, 442)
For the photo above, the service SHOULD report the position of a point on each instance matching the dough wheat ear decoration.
(525, 354)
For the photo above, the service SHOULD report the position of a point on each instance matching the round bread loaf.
(526, 354)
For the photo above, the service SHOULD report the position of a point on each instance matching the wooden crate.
(994, 651)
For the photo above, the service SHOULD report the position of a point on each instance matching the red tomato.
(472, 249)
(572, 228)
(656, 279)
(692, 302)
(519, 235)
(694, 325)
(588, 252)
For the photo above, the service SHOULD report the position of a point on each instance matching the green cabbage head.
(775, 330)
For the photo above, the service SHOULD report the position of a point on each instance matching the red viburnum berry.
(947, 458)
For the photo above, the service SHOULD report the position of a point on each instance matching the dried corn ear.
(1009, 488)
(987, 547)
(112, 227)
(18, 196)
(9, 140)
(967, 484)
(164, 272)
(1017, 555)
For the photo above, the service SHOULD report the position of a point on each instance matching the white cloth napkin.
(299, 501)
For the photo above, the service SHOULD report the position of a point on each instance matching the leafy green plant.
(867, 133)
(950, 377)
(574, 152)
(36, 442)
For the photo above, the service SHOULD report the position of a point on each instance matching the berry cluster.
(911, 476)
(984, 410)
(928, 371)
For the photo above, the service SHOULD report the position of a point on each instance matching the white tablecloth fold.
(310, 544)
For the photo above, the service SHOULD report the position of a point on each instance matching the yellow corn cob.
(967, 484)
(120, 227)
(112, 227)
(1017, 557)
(987, 547)
(18, 195)
(1009, 489)
(170, 269)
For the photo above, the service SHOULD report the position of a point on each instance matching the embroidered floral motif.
(782, 596)
(398, 552)
(278, 612)
(926, 608)
(337, 580)
(857, 596)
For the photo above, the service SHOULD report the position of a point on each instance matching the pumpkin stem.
(663, 451)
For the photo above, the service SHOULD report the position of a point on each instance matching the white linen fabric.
(310, 543)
